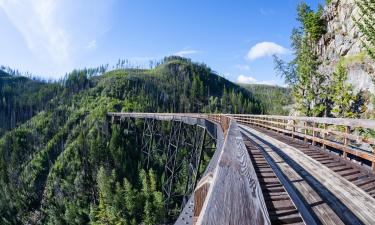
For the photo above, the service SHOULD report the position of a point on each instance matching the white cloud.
(268, 82)
(36, 21)
(263, 49)
(246, 79)
(91, 44)
(251, 80)
(184, 53)
(242, 67)
(55, 36)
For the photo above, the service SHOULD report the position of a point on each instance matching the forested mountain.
(63, 166)
(21, 98)
(275, 99)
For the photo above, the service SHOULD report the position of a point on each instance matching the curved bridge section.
(281, 170)
(229, 177)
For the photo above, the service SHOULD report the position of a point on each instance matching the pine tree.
(302, 72)
(343, 98)
(225, 102)
(130, 199)
(309, 94)
(157, 196)
(148, 217)
(105, 213)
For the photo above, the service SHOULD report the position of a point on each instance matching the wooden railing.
(231, 193)
(223, 120)
(348, 136)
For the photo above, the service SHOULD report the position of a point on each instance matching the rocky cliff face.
(342, 41)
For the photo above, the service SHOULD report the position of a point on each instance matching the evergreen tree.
(302, 72)
(148, 217)
(130, 199)
(303, 76)
(312, 22)
(105, 213)
(157, 197)
(345, 102)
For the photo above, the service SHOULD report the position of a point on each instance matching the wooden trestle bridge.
(277, 170)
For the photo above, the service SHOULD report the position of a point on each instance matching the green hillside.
(21, 98)
(63, 167)
(276, 100)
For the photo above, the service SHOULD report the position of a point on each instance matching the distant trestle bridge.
(267, 169)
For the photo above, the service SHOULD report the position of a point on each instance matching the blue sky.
(235, 38)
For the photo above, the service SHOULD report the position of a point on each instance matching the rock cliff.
(343, 42)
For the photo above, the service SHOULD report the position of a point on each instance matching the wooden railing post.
(293, 128)
(278, 126)
(266, 121)
(305, 128)
(324, 135)
(314, 134)
(373, 160)
(285, 124)
(346, 142)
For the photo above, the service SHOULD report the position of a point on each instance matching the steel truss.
(153, 140)
(129, 124)
(148, 139)
(182, 148)
(172, 166)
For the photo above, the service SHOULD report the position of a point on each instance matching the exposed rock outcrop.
(343, 42)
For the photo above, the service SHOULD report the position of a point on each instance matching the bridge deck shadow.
(341, 210)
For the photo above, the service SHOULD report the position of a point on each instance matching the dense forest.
(60, 161)
(21, 98)
(276, 100)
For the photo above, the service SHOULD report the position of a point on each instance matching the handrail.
(234, 195)
(341, 134)
(360, 123)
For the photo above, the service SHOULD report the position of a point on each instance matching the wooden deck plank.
(325, 214)
(357, 200)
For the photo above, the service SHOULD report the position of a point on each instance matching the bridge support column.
(170, 168)
(147, 139)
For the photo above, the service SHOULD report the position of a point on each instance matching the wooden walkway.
(281, 170)
(331, 197)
